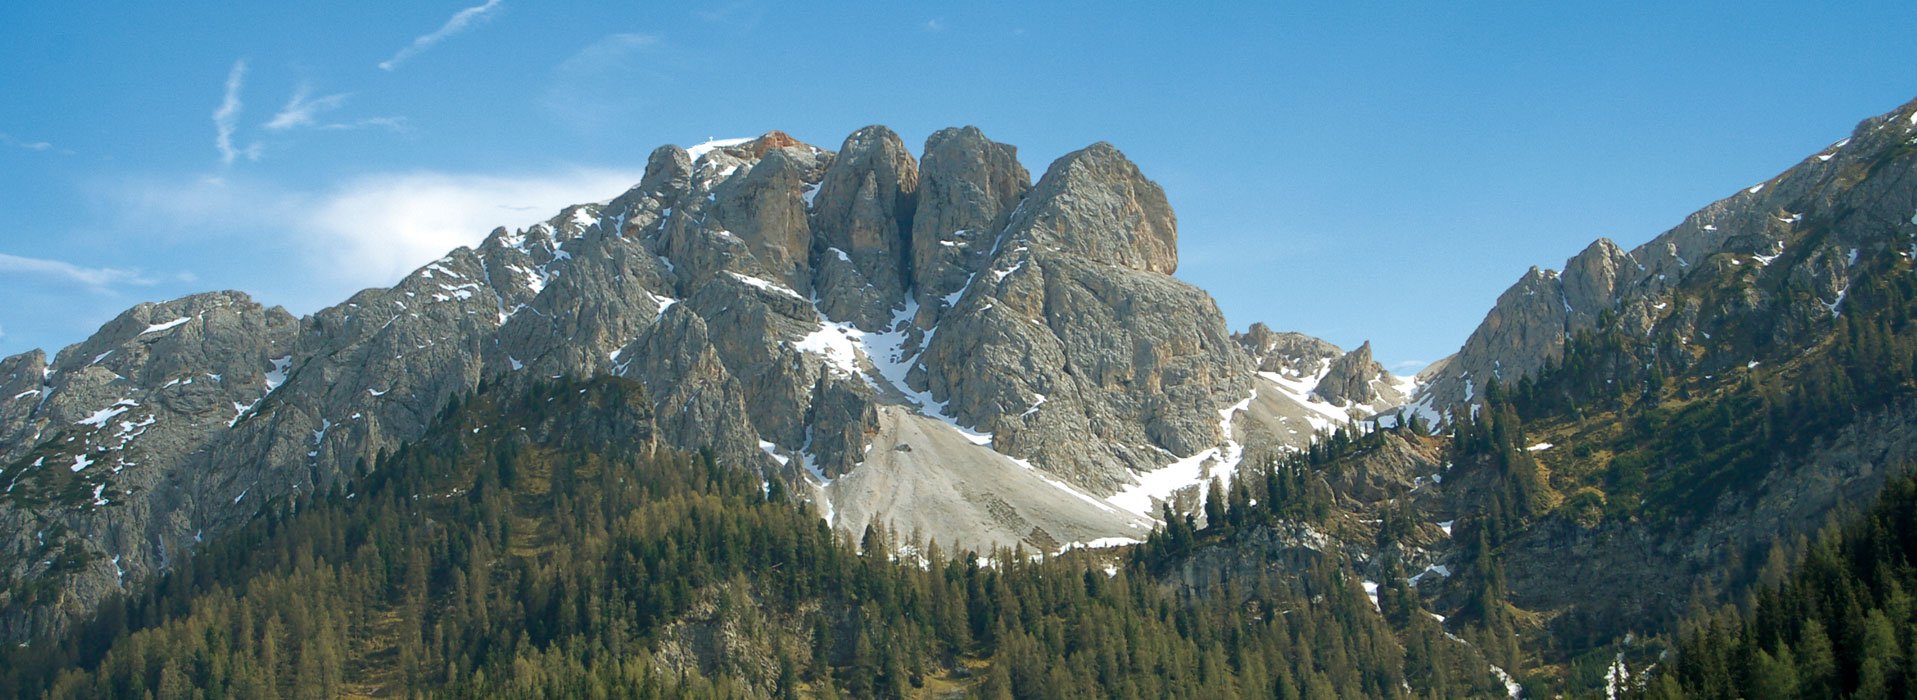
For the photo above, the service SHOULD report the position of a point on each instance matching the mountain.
(871, 353)
(939, 345)
(1637, 436)
(538, 541)
(1782, 253)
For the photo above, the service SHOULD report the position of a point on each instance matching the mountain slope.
(941, 346)
(538, 542)
(1755, 376)
(1783, 249)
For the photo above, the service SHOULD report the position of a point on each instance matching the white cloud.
(303, 111)
(98, 279)
(376, 229)
(935, 25)
(373, 229)
(303, 107)
(458, 23)
(227, 118)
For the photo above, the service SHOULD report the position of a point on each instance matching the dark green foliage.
(535, 546)
(1843, 625)
(1694, 421)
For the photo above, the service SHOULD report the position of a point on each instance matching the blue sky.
(1352, 170)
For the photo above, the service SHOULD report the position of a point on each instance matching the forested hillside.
(531, 546)
(1841, 626)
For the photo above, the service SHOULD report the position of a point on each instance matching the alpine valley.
(783, 421)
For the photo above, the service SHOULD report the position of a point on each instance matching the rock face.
(1780, 252)
(948, 349)
(1065, 336)
(1289, 353)
(1096, 205)
(1355, 378)
(862, 219)
(968, 188)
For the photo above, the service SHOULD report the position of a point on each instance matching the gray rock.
(761, 294)
(1095, 205)
(1083, 354)
(1289, 353)
(862, 215)
(968, 188)
(1355, 378)
(1778, 252)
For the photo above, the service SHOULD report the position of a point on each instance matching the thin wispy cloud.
(8, 140)
(226, 119)
(458, 23)
(610, 51)
(302, 108)
(935, 25)
(576, 94)
(388, 123)
(99, 279)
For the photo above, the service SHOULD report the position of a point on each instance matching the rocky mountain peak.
(1288, 352)
(1094, 203)
(770, 140)
(1055, 384)
(861, 220)
(1356, 378)
(968, 187)
(1773, 256)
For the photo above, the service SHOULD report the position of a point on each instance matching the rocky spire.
(1352, 378)
(861, 218)
(968, 188)
(1094, 204)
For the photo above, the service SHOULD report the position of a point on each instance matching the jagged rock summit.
(943, 347)
(1774, 261)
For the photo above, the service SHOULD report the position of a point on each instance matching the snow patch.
(838, 343)
(1540, 447)
(765, 285)
(100, 417)
(1161, 483)
(81, 461)
(1441, 570)
(169, 325)
(1511, 686)
(277, 376)
(773, 451)
(1841, 293)
(699, 151)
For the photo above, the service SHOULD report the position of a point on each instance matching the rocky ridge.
(1788, 243)
(942, 346)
